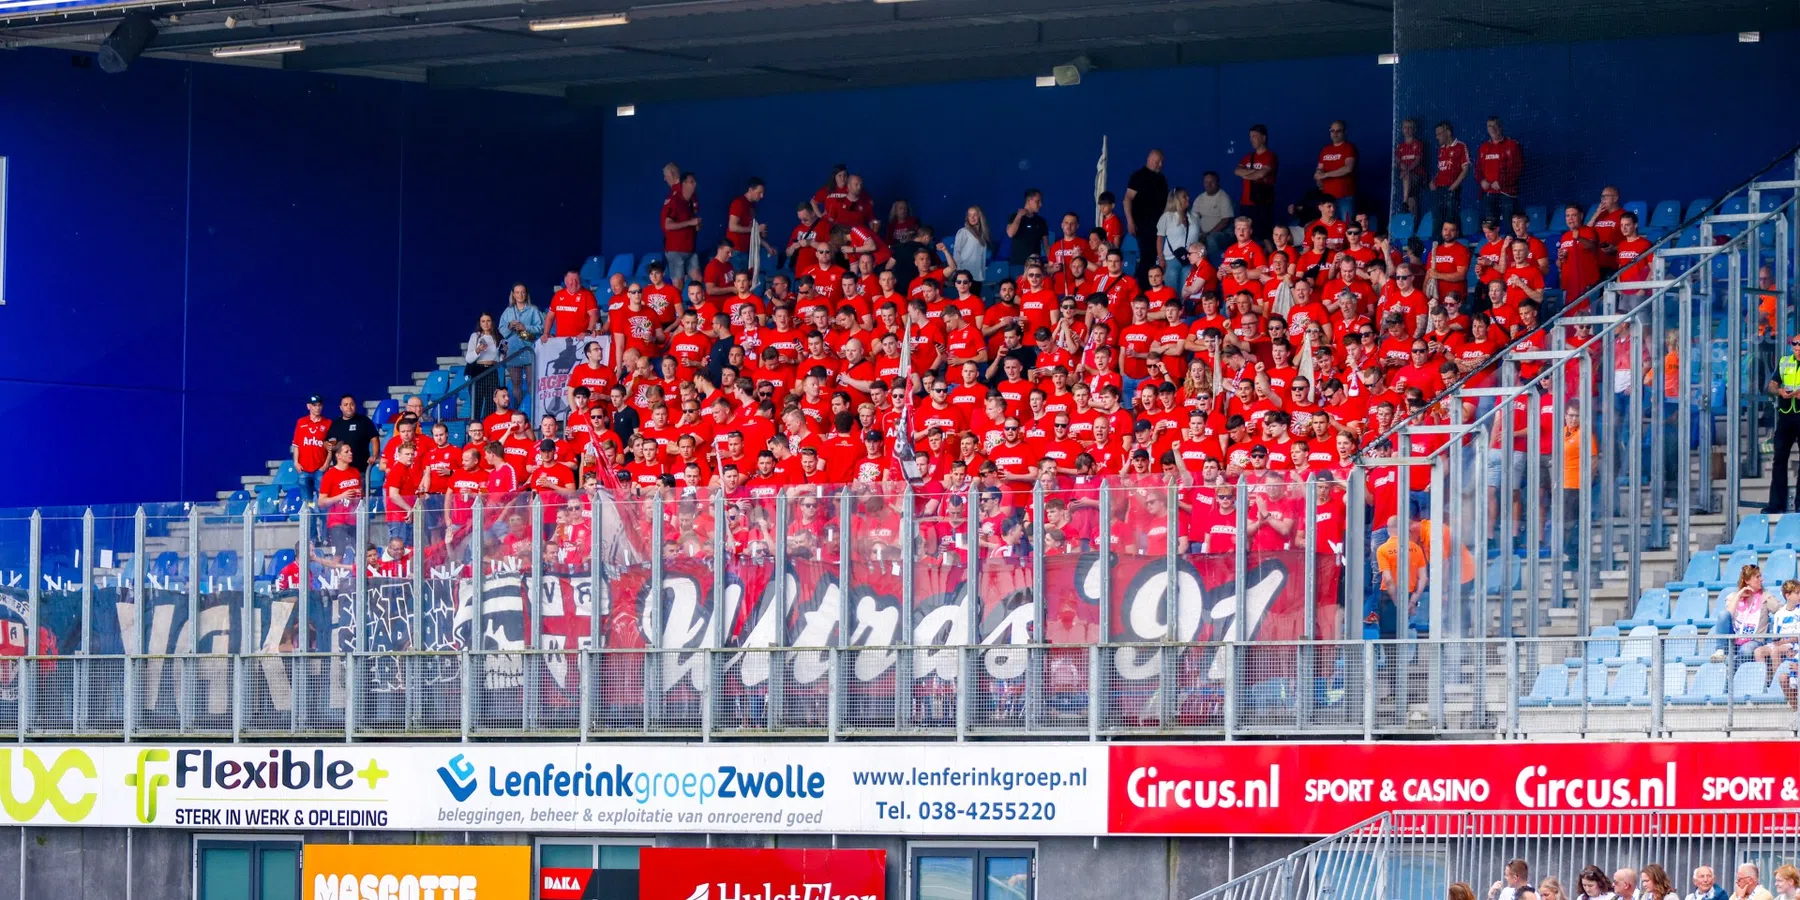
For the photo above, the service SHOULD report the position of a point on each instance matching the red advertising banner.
(1319, 789)
(732, 874)
(565, 884)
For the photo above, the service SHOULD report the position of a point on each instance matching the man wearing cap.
(308, 447)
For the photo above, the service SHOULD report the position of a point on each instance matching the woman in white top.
(480, 356)
(1173, 234)
(973, 241)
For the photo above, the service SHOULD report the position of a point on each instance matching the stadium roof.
(685, 49)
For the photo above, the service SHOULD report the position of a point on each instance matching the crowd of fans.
(1653, 883)
(1244, 344)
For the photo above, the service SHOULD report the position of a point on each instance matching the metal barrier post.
(359, 619)
(1634, 462)
(652, 709)
(534, 604)
(1034, 682)
(415, 626)
(1534, 510)
(1306, 660)
(1736, 315)
(777, 689)
(78, 712)
(903, 659)
(1506, 511)
(965, 669)
(1098, 698)
(1684, 405)
(1511, 728)
(1167, 696)
(1436, 572)
(1369, 690)
(1356, 561)
(134, 642)
(1658, 689)
(471, 651)
(1658, 420)
(303, 622)
(1560, 526)
(33, 598)
(1584, 488)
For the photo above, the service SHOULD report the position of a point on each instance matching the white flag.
(1099, 181)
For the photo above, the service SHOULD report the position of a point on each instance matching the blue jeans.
(309, 485)
(1346, 209)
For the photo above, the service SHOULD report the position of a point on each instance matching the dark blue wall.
(195, 248)
(1588, 113)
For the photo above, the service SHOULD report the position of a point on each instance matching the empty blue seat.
(622, 265)
(224, 564)
(1537, 216)
(437, 384)
(1690, 608)
(1750, 681)
(1772, 692)
(290, 502)
(1674, 680)
(1682, 644)
(236, 504)
(1752, 531)
(1667, 214)
(385, 410)
(1730, 568)
(1426, 228)
(1593, 687)
(1696, 208)
(1779, 567)
(167, 565)
(1602, 644)
(1637, 647)
(1707, 687)
(1640, 209)
(1631, 685)
(1551, 684)
(286, 474)
(1471, 221)
(1702, 567)
(1786, 532)
(1400, 227)
(593, 272)
(1652, 606)
(1128, 245)
(459, 433)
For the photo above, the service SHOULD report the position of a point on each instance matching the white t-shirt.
(1785, 621)
(1209, 209)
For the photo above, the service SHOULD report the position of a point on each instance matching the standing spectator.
(1577, 255)
(1605, 222)
(1497, 172)
(1409, 165)
(353, 430)
(1514, 883)
(740, 221)
(1654, 884)
(1146, 199)
(681, 228)
(1258, 169)
(1749, 884)
(1448, 272)
(901, 223)
(1706, 885)
(1028, 231)
(573, 310)
(1786, 388)
(308, 447)
(1336, 172)
(973, 240)
(1452, 168)
(340, 487)
(1212, 215)
(480, 357)
(831, 196)
(1173, 234)
(523, 324)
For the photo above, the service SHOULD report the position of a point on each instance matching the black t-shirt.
(356, 431)
(904, 270)
(1152, 195)
(1029, 239)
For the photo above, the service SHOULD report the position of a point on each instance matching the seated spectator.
(1706, 885)
(1746, 610)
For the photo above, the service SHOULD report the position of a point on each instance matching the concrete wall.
(91, 863)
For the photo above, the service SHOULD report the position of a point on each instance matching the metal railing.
(1418, 856)
(1495, 689)
(1602, 440)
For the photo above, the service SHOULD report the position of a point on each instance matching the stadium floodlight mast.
(572, 22)
(258, 49)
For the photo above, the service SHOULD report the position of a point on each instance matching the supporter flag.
(1100, 188)
(904, 453)
(1305, 369)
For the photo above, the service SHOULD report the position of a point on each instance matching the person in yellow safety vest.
(1786, 388)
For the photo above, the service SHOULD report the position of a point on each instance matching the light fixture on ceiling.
(894, 1)
(1388, 59)
(572, 22)
(626, 110)
(1749, 37)
(1046, 81)
(258, 49)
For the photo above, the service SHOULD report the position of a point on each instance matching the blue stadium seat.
(272, 565)
(1426, 228)
(1690, 608)
(990, 279)
(1652, 606)
(445, 409)
(1771, 692)
(1729, 569)
(1538, 217)
(459, 433)
(168, 564)
(290, 503)
(385, 410)
(1752, 531)
(1593, 687)
(1681, 644)
(621, 265)
(593, 272)
(1667, 215)
(286, 474)
(1702, 567)
(1471, 221)
(643, 267)
(1675, 675)
(437, 384)
(1640, 209)
(1631, 685)
(1696, 208)
(1750, 681)
(387, 431)
(1400, 227)
(1736, 205)
(1637, 647)
(1603, 644)
(1707, 687)
(268, 499)
(236, 504)
(1779, 567)
(1786, 532)
(1551, 685)
(223, 564)
(1129, 245)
